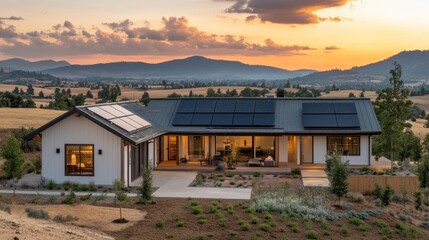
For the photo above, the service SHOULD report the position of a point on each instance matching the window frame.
(342, 144)
(65, 160)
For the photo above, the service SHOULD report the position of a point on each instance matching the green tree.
(287, 85)
(12, 153)
(425, 144)
(392, 108)
(352, 95)
(145, 98)
(362, 94)
(146, 188)
(79, 100)
(423, 172)
(174, 95)
(120, 195)
(89, 94)
(339, 184)
(411, 147)
(211, 92)
(246, 92)
(41, 94)
(386, 198)
(30, 90)
(191, 94)
(15, 90)
(418, 200)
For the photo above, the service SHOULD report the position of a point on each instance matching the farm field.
(26, 117)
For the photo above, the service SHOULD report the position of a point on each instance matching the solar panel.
(186, 106)
(265, 106)
(140, 120)
(205, 106)
(222, 119)
(131, 122)
(202, 119)
(319, 121)
(100, 112)
(245, 106)
(348, 121)
(243, 120)
(113, 111)
(263, 120)
(183, 119)
(318, 108)
(122, 124)
(345, 108)
(225, 106)
(121, 109)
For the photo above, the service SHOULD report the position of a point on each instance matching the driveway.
(176, 185)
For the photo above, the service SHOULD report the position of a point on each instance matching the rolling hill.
(415, 67)
(196, 67)
(21, 64)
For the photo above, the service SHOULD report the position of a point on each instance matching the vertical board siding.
(320, 151)
(366, 183)
(79, 130)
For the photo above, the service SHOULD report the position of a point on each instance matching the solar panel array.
(225, 113)
(330, 115)
(120, 117)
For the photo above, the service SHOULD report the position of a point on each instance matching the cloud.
(283, 11)
(174, 38)
(13, 18)
(331, 48)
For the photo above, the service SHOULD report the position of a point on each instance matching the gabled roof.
(134, 137)
(161, 112)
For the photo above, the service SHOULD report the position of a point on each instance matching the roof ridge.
(106, 104)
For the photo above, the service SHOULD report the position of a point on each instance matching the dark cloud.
(175, 38)
(251, 18)
(13, 18)
(331, 48)
(283, 11)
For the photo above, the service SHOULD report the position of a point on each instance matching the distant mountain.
(21, 64)
(415, 66)
(192, 68)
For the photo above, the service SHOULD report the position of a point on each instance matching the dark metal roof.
(288, 119)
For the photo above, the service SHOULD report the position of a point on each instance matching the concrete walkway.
(58, 193)
(176, 185)
(315, 178)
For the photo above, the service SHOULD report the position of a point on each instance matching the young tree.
(339, 184)
(423, 172)
(387, 196)
(145, 98)
(30, 90)
(425, 144)
(392, 107)
(89, 94)
(41, 94)
(12, 153)
(120, 195)
(146, 189)
(418, 199)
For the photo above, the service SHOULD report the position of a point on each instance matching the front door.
(306, 149)
(172, 147)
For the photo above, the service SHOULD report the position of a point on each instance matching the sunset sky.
(291, 34)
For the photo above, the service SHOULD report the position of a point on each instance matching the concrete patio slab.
(313, 174)
(176, 185)
(316, 182)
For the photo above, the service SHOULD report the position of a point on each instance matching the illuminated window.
(79, 160)
(347, 145)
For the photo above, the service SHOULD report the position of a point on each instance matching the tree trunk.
(391, 154)
(120, 212)
(13, 186)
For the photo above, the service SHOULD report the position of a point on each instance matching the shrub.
(52, 199)
(146, 189)
(36, 213)
(387, 196)
(378, 192)
(268, 216)
(51, 185)
(179, 222)
(232, 233)
(194, 203)
(356, 221)
(92, 187)
(346, 206)
(378, 202)
(311, 235)
(362, 228)
(28, 166)
(265, 227)
(100, 197)
(36, 199)
(399, 227)
(412, 232)
(257, 174)
(245, 226)
(295, 229)
(85, 197)
(355, 197)
(198, 180)
(70, 198)
(201, 221)
(339, 184)
(324, 225)
(222, 222)
(424, 224)
(254, 220)
(380, 224)
(4, 208)
(418, 199)
(62, 219)
(344, 231)
(405, 218)
(159, 223)
(196, 210)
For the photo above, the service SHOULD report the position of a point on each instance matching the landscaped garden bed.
(235, 179)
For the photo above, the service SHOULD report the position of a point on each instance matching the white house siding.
(320, 150)
(80, 130)
(282, 150)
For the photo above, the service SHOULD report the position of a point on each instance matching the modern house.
(99, 143)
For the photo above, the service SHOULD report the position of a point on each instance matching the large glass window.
(79, 160)
(238, 147)
(264, 147)
(347, 145)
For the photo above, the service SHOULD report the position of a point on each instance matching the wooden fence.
(366, 183)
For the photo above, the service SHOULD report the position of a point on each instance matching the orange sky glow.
(290, 34)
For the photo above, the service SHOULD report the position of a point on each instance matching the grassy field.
(26, 117)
